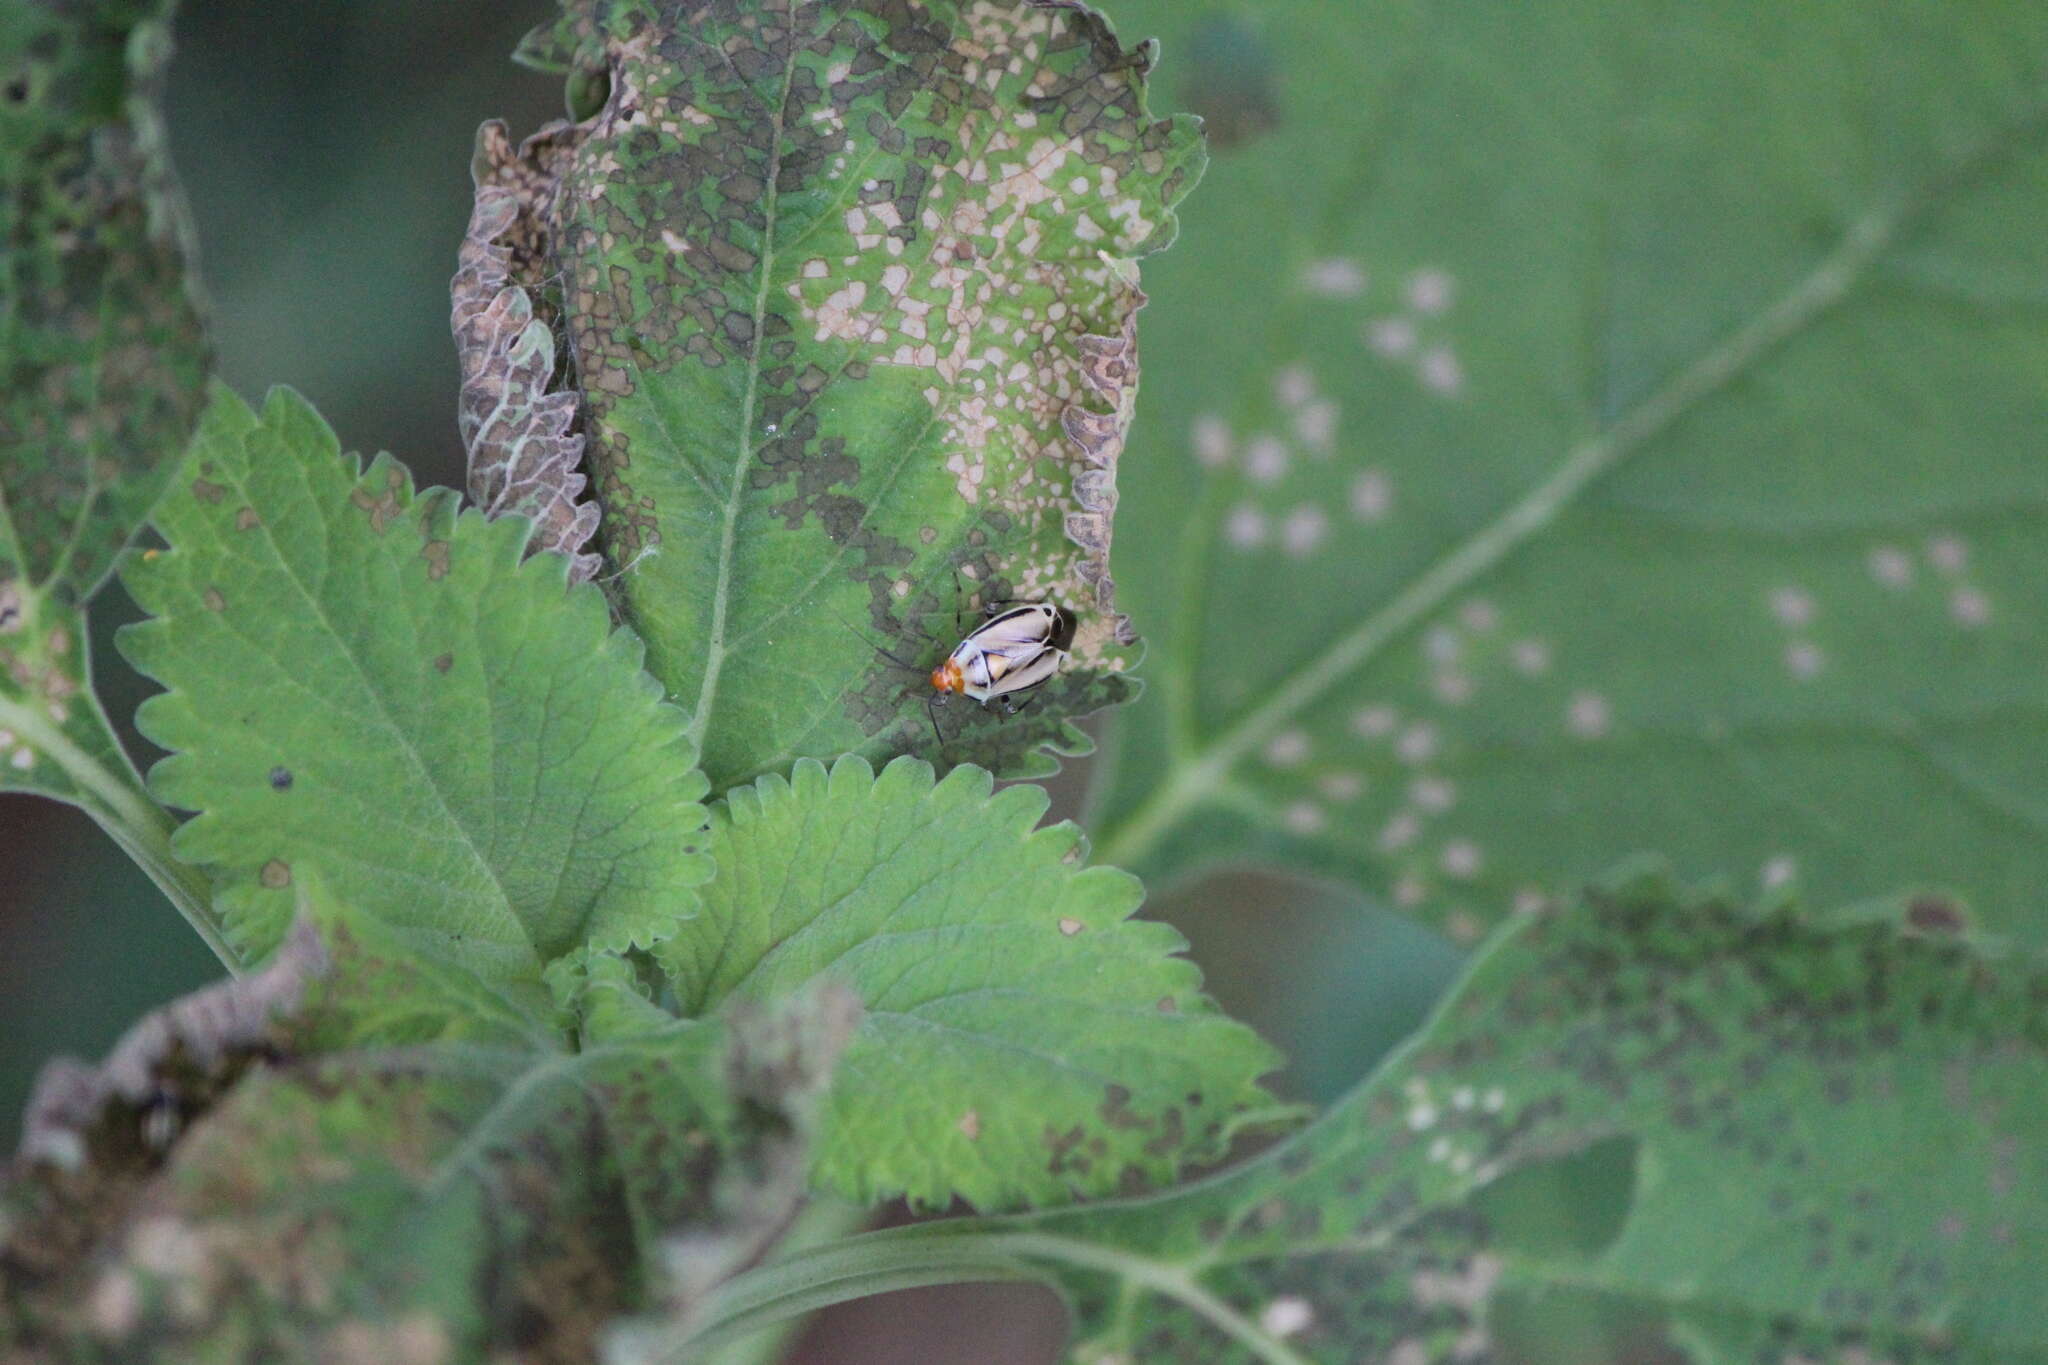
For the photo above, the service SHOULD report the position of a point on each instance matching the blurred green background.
(324, 148)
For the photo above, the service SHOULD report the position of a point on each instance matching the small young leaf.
(1836, 1125)
(364, 681)
(102, 357)
(218, 1191)
(1025, 1040)
(1624, 434)
(849, 295)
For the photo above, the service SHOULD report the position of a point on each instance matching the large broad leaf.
(1024, 1039)
(846, 290)
(102, 362)
(365, 681)
(227, 1186)
(1580, 428)
(1832, 1124)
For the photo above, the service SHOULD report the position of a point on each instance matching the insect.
(1018, 647)
(1011, 652)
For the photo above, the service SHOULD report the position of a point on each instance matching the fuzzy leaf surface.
(102, 356)
(849, 291)
(1834, 1124)
(364, 681)
(1626, 435)
(1024, 1039)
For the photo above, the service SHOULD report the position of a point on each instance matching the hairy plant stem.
(114, 798)
(954, 1253)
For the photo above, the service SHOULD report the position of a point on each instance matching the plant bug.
(1015, 650)
(1019, 646)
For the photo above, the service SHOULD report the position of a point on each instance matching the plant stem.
(956, 1252)
(116, 802)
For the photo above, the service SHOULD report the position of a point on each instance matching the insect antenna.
(871, 644)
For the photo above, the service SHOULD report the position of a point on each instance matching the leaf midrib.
(735, 489)
(1191, 775)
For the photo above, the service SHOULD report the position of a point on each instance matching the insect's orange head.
(947, 677)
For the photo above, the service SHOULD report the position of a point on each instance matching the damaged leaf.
(1833, 1122)
(102, 357)
(473, 1195)
(1025, 1040)
(1626, 434)
(102, 361)
(522, 456)
(850, 296)
(364, 682)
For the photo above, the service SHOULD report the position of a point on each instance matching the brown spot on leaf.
(281, 778)
(276, 874)
(247, 520)
(213, 600)
(208, 491)
(970, 1125)
(1936, 915)
(444, 662)
(382, 511)
(1071, 927)
(435, 552)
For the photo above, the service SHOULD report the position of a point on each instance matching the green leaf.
(849, 294)
(222, 1189)
(102, 357)
(1575, 429)
(363, 681)
(1024, 1039)
(1833, 1125)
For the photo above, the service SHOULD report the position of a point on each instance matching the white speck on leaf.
(1589, 715)
(1804, 660)
(1792, 606)
(1211, 437)
(1286, 1315)
(1245, 527)
(1375, 722)
(1304, 529)
(1440, 371)
(1948, 553)
(1531, 657)
(1294, 386)
(1433, 794)
(1429, 292)
(1265, 459)
(1304, 817)
(1334, 277)
(1391, 337)
(1399, 832)
(1372, 495)
(1341, 786)
(1287, 748)
(1969, 607)
(1417, 744)
(1891, 566)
